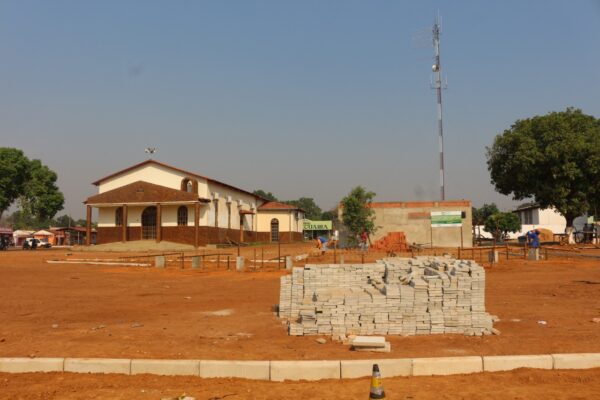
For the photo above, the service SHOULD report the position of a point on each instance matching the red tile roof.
(183, 171)
(141, 192)
(275, 205)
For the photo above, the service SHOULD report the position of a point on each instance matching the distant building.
(425, 223)
(70, 236)
(533, 216)
(155, 201)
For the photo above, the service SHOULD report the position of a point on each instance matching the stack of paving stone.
(395, 296)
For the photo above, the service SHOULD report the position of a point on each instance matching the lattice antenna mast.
(437, 71)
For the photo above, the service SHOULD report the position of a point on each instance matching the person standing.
(533, 238)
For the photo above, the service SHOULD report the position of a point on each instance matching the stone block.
(369, 341)
(26, 364)
(447, 365)
(239, 263)
(576, 361)
(235, 369)
(159, 261)
(533, 254)
(196, 262)
(304, 370)
(166, 367)
(388, 368)
(289, 264)
(507, 363)
(98, 365)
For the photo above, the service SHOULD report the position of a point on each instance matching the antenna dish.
(435, 68)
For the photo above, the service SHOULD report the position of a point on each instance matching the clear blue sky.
(300, 98)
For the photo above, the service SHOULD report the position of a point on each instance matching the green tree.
(481, 214)
(64, 221)
(330, 215)
(31, 183)
(265, 195)
(14, 172)
(553, 159)
(500, 223)
(312, 210)
(22, 219)
(357, 213)
(41, 197)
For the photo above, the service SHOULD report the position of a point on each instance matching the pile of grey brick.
(395, 296)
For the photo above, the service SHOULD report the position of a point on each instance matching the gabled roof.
(527, 206)
(277, 206)
(183, 171)
(141, 192)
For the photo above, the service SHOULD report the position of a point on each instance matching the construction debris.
(395, 296)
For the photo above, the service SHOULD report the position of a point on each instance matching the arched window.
(119, 216)
(189, 185)
(182, 216)
(274, 230)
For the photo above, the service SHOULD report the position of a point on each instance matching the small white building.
(532, 216)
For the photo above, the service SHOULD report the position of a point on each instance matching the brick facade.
(186, 235)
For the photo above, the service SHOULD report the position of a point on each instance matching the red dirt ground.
(98, 311)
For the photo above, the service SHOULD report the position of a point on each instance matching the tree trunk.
(569, 230)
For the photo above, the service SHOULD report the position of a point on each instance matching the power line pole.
(437, 71)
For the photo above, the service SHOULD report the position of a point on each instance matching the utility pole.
(437, 71)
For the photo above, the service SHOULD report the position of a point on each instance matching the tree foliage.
(14, 172)
(554, 159)
(330, 215)
(357, 213)
(500, 223)
(41, 196)
(265, 195)
(31, 183)
(481, 214)
(311, 209)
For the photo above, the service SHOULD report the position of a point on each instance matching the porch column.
(88, 226)
(124, 224)
(158, 222)
(196, 222)
(241, 228)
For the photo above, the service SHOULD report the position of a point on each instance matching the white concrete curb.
(301, 369)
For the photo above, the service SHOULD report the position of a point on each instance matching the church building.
(155, 201)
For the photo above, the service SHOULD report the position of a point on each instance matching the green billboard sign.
(442, 219)
(317, 225)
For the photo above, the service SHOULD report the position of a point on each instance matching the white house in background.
(532, 216)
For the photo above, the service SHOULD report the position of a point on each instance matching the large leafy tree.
(500, 223)
(14, 172)
(31, 183)
(41, 196)
(357, 215)
(312, 210)
(554, 159)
